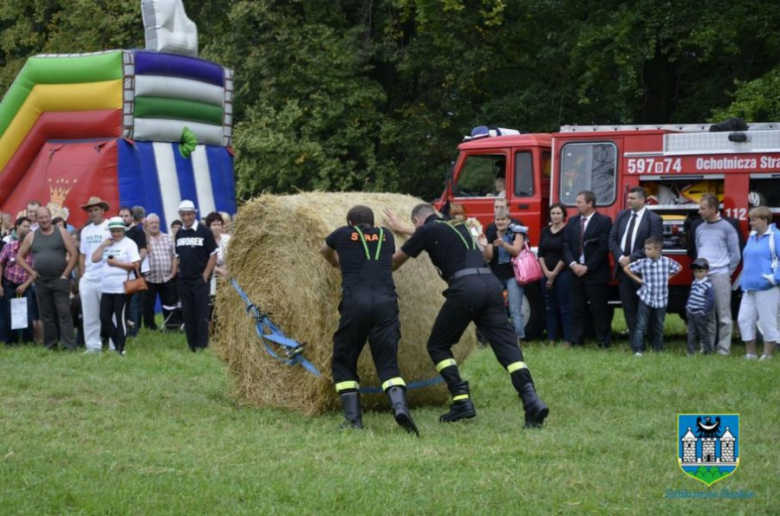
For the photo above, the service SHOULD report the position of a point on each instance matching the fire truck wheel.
(533, 311)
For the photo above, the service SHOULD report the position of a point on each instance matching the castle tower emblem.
(58, 192)
(708, 446)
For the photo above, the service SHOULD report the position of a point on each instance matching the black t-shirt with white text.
(194, 247)
(352, 255)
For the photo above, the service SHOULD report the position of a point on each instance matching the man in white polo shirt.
(90, 276)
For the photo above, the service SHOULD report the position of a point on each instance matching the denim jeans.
(514, 293)
(651, 321)
(556, 301)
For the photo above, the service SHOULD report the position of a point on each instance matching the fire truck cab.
(676, 164)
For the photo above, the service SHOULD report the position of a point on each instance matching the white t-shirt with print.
(91, 238)
(114, 277)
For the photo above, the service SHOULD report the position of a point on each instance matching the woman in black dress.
(556, 282)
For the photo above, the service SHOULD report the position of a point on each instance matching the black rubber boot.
(350, 402)
(535, 409)
(400, 407)
(462, 408)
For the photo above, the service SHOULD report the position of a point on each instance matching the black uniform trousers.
(629, 298)
(194, 294)
(597, 296)
(367, 312)
(167, 293)
(477, 298)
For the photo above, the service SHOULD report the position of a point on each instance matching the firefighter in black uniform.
(369, 309)
(474, 294)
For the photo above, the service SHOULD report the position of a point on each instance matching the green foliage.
(358, 95)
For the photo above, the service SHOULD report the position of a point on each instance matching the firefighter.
(474, 294)
(369, 309)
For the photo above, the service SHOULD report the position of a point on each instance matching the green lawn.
(157, 432)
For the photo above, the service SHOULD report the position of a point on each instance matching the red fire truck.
(675, 163)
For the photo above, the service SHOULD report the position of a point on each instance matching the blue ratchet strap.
(292, 348)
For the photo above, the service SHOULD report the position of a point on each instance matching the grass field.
(157, 432)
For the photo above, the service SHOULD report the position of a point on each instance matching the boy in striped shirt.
(655, 271)
(700, 302)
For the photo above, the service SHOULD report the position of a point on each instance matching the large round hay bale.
(274, 255)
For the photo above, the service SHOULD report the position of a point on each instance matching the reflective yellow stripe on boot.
(460, 397)
(343, 386)
(393, 382)
(516, 366)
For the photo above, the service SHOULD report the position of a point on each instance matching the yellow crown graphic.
(59, 189)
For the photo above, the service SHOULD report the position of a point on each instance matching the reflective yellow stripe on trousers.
(444, 364)
(516, 366)
(393, 382)
(343, 386)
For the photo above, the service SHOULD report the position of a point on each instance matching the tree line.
(374, 95)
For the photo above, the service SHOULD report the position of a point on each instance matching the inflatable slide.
(135, 127)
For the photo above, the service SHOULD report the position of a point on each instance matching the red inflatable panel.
(57, 125)
(64, 175)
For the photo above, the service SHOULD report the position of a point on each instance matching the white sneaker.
(93, 352)
(764, 357)
(751, 357)
(638, 354)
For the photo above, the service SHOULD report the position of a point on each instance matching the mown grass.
(157, 432)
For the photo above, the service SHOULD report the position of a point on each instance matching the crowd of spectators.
(71, 281)
(574, 256)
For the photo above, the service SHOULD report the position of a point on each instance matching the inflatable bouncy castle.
(135, 127)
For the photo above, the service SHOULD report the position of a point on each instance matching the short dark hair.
(639, 190)
(138, 213)
(36, 203)
(422, 210)
(213, 217)
(177, 222)
(360, 216)
(20, 221)
(558, 205)
(128, 209)
(589, 197)
(711, 200)
(655, 241)
(57, 220)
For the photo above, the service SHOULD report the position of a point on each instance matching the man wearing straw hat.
(474, 294)
(90, 277)
(196, 251)
(369, 310)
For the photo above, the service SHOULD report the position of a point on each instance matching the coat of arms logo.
(708, 445)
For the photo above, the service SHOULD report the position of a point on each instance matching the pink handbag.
(526, 267)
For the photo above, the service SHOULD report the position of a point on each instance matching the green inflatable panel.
(177, 109)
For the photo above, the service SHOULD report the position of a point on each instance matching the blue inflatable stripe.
(131, 188)
(222, 180)
(186, 178)
(156, 63)
(138, 181)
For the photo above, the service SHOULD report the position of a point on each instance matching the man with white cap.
(196, 251)
(90, 276)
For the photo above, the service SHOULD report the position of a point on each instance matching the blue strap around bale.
(268, 331)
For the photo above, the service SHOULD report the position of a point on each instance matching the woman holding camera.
(119, 256)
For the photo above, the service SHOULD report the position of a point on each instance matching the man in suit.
(586, 251)
(627, 244)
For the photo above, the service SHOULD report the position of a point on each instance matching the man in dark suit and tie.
(586, 251)
(627, 244)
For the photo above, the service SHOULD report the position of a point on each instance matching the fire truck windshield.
(588, 166)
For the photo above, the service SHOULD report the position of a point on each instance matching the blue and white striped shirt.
(702, 297)
(655, 279)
